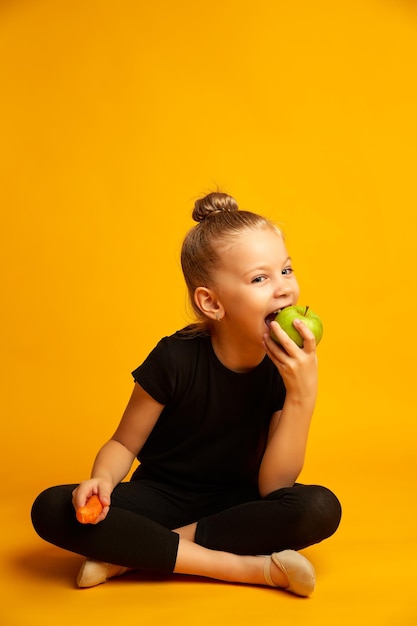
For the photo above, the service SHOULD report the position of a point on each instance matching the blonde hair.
(219, 220)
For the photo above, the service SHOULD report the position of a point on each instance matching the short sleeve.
(157, 374)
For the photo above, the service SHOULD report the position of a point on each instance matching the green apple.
(286, 317)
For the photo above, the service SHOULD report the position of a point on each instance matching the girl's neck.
(235, 356)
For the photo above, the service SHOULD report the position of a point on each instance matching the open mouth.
(271, 317)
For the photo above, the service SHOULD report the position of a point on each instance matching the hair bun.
(215, 202)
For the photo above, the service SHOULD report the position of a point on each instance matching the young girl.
(218, 418)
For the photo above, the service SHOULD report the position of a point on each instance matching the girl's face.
(255, 281)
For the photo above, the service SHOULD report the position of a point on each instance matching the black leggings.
(137, 531)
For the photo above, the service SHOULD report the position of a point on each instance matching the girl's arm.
(115, 458)
(284, 456)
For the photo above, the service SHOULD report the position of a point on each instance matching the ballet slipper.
(299, 571)
(94, 573)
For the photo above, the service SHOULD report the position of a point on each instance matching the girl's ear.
(207, 302)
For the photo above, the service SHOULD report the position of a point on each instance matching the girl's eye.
(259, 279)
(287, 270)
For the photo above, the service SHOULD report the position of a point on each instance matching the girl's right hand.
(297, 366)
(94, 486)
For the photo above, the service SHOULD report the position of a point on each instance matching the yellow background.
(114, 118)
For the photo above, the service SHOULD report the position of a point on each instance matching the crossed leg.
(222, 546)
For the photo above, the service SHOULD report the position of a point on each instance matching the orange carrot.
(89, 513)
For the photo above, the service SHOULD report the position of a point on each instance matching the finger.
(81, 494)
(274, 349)
(78, 498)
(104, 495)
(102, 515)
(284, 341)
(309, 340)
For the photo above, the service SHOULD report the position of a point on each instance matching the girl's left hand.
(297, 366)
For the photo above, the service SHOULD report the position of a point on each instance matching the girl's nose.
(282, 288)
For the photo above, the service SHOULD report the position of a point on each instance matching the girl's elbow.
(265, 490)
(267, 485)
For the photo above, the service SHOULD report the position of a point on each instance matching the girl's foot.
(299, 572)
(96, 572)
(295, 574)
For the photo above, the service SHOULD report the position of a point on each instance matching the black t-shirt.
(212, 431)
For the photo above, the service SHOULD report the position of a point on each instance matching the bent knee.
(314, 506)
(50, 506)
(325, 504)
